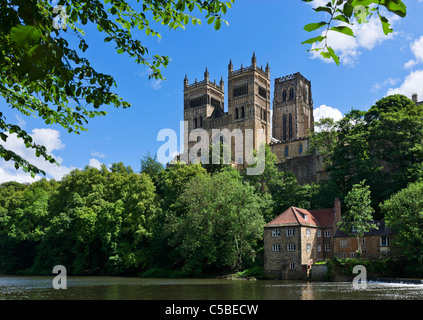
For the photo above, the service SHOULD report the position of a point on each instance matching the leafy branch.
(346, 12)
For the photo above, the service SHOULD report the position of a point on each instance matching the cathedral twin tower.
(249, 102)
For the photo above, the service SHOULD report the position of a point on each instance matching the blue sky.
(372, 66)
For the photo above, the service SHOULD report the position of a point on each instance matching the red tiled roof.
(296, 216)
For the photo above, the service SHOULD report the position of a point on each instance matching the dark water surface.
(117, 288)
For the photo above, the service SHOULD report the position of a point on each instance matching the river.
(119, 288)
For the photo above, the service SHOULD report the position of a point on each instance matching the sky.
(372, 66)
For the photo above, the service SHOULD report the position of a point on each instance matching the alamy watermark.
(360, 281)
(60, 281)
(59, 21)
(241, 142)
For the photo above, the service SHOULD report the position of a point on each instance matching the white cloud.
(412, 84)
(391, 82)
(47, 137)
(98, 154)
(417, 49)
(367, 36)
(95, 163)
(410, 64)
(325, 111)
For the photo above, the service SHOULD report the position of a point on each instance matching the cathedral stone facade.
(249, 101)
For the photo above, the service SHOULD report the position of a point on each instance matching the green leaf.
(314, 26)
(343, 29)
(313, 40)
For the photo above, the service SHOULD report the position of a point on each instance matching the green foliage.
(404, 214)
(383, 145)
(358, 219)
(350, 12)
(43, 73)
(215, 224)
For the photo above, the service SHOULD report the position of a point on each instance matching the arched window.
(300, 148)
(291, 94)
(284, 127)
(242, 112)
(290, 126)
(286, 152)
(284, 95)
(236, 113)
(195, 123)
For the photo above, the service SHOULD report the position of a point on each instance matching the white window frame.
(363, 241)
(308, 232)
(319, 248)
(308, 247)
(276, 247)
(319, 233)
(291, 247)
(291, 265)
(385, 243)
(327, 233)
(343, 243)
(327, 247)
(276, 233)
(290, 232)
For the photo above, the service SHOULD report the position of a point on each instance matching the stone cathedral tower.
(292, 108)
(249, 100)
(248, 108)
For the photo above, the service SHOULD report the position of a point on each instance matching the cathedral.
(285, 128)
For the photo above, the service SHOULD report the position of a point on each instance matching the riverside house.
(298, 238)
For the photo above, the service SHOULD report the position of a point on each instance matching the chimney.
(414, 97)
(338, 216)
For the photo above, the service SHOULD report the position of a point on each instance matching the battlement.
(248, 69)
(202, 83)
(291, 77)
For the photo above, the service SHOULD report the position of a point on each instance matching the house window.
(319, 248)
(286, 151)
(300, 149)
(308, 232)
(292, 265)
(353, 255)
(276, 233)
(290, 232)
(291, 247)
(319, 233)
(384, 241)
(327, 233)
(308, 247)
(363, 242)
(342, 255)
(327, 247)
(276, 247)
(343, 243)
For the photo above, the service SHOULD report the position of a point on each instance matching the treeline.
(194, 220)
(181, 221)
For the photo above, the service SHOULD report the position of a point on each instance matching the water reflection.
(115, 288)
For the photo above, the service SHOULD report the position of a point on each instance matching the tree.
(215, 224)
(150, 166)
(43, 74)
(346, 12)
(404, 215)
(100, 222)
(383, 145)
(358, 218)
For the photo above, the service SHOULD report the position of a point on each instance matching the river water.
(118, 288)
